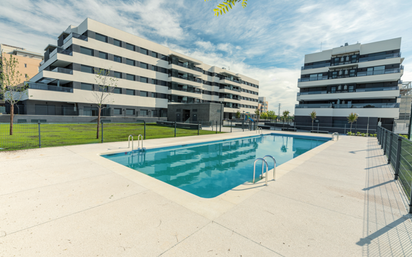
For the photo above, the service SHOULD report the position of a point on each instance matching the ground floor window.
(130, 112)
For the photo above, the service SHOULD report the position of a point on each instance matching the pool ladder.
(335, 134)
(264, 163)
(139, 142)
(259, 130)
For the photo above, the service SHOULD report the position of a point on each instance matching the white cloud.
(205, 45)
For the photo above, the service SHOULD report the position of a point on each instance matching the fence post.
(318, 127)
(39, 135)
(102, 131)
(198, 127)
(398, 157)
(384, 142)
(216, 127)
(144, 130)
(390, 147)
(175, 128)
(231, 123)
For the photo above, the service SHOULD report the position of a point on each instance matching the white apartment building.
(358, 78)
(150, 77)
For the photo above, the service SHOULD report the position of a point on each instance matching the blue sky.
(267, 40)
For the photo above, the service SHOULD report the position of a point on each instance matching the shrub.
(363, 134)
(358, 133)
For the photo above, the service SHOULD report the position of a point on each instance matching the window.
(117, 42)
(117, 58)
(101, 37)
(144, 93)
(153, 95)
(352, 73)
(333, 89)
(154, 81)
(144, 112)
(130, 112)
(130, 46)
(130, 92)
(163, 57)
(144, 51)
(143, 65)
(379, 70)
(87, 51)
(85, 86)
(117, 111)
(117, 90)
(144, 80)
(130, 77)
(87, 69)
(25, 65)
(351, 88)
(130, 62)
(154, 54)
(103, 55)
(117, 74)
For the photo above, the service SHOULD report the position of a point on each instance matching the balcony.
(60, 51)
(380, 72)
(379, 57)
(74, 35)
(338, 106)
(50, 87)
(62, 70)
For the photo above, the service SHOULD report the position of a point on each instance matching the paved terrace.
(336, 200)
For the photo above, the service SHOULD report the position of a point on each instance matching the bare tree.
(105, 86)
(11, 84)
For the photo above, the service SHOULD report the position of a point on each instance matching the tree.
(237, 114)
(11, 84)
(285, 116)
(264, 115)
(271, 115)
(106, 84)
(313, 117)
(224, 7)
(257, 112)
(353, 117)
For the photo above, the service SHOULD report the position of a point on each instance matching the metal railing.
(263, 166)
(62, 70)
(398, 151)
(49, 87)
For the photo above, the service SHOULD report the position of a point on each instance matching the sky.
(266, 41)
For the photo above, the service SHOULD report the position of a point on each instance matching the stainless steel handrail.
(274, 167)
(254, 169)
(333, 136)
(128, 142)
(140, 140)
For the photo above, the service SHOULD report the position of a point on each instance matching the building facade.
(28, 64)
(263, 104)
(149, 77)
(359, 78)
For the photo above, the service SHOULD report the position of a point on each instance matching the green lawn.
(27, 135)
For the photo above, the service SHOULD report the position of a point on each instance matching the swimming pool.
(212, 168)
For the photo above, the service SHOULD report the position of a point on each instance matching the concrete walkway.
(336, 200)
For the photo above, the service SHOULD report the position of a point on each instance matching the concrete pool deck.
(336, 200)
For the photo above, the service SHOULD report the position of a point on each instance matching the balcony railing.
(75, 35)
(60, 51)
(190, 90)
(347, 91)
(312, 79)
(362, 105)
(379, 57)
(187, 66)
(186, 78)
(321, 65)
(50, 87)
(379, 72)
(62, 70)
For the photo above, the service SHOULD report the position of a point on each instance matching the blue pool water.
(210, 169)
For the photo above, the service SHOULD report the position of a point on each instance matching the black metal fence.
(398, 151)
(40, 134)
